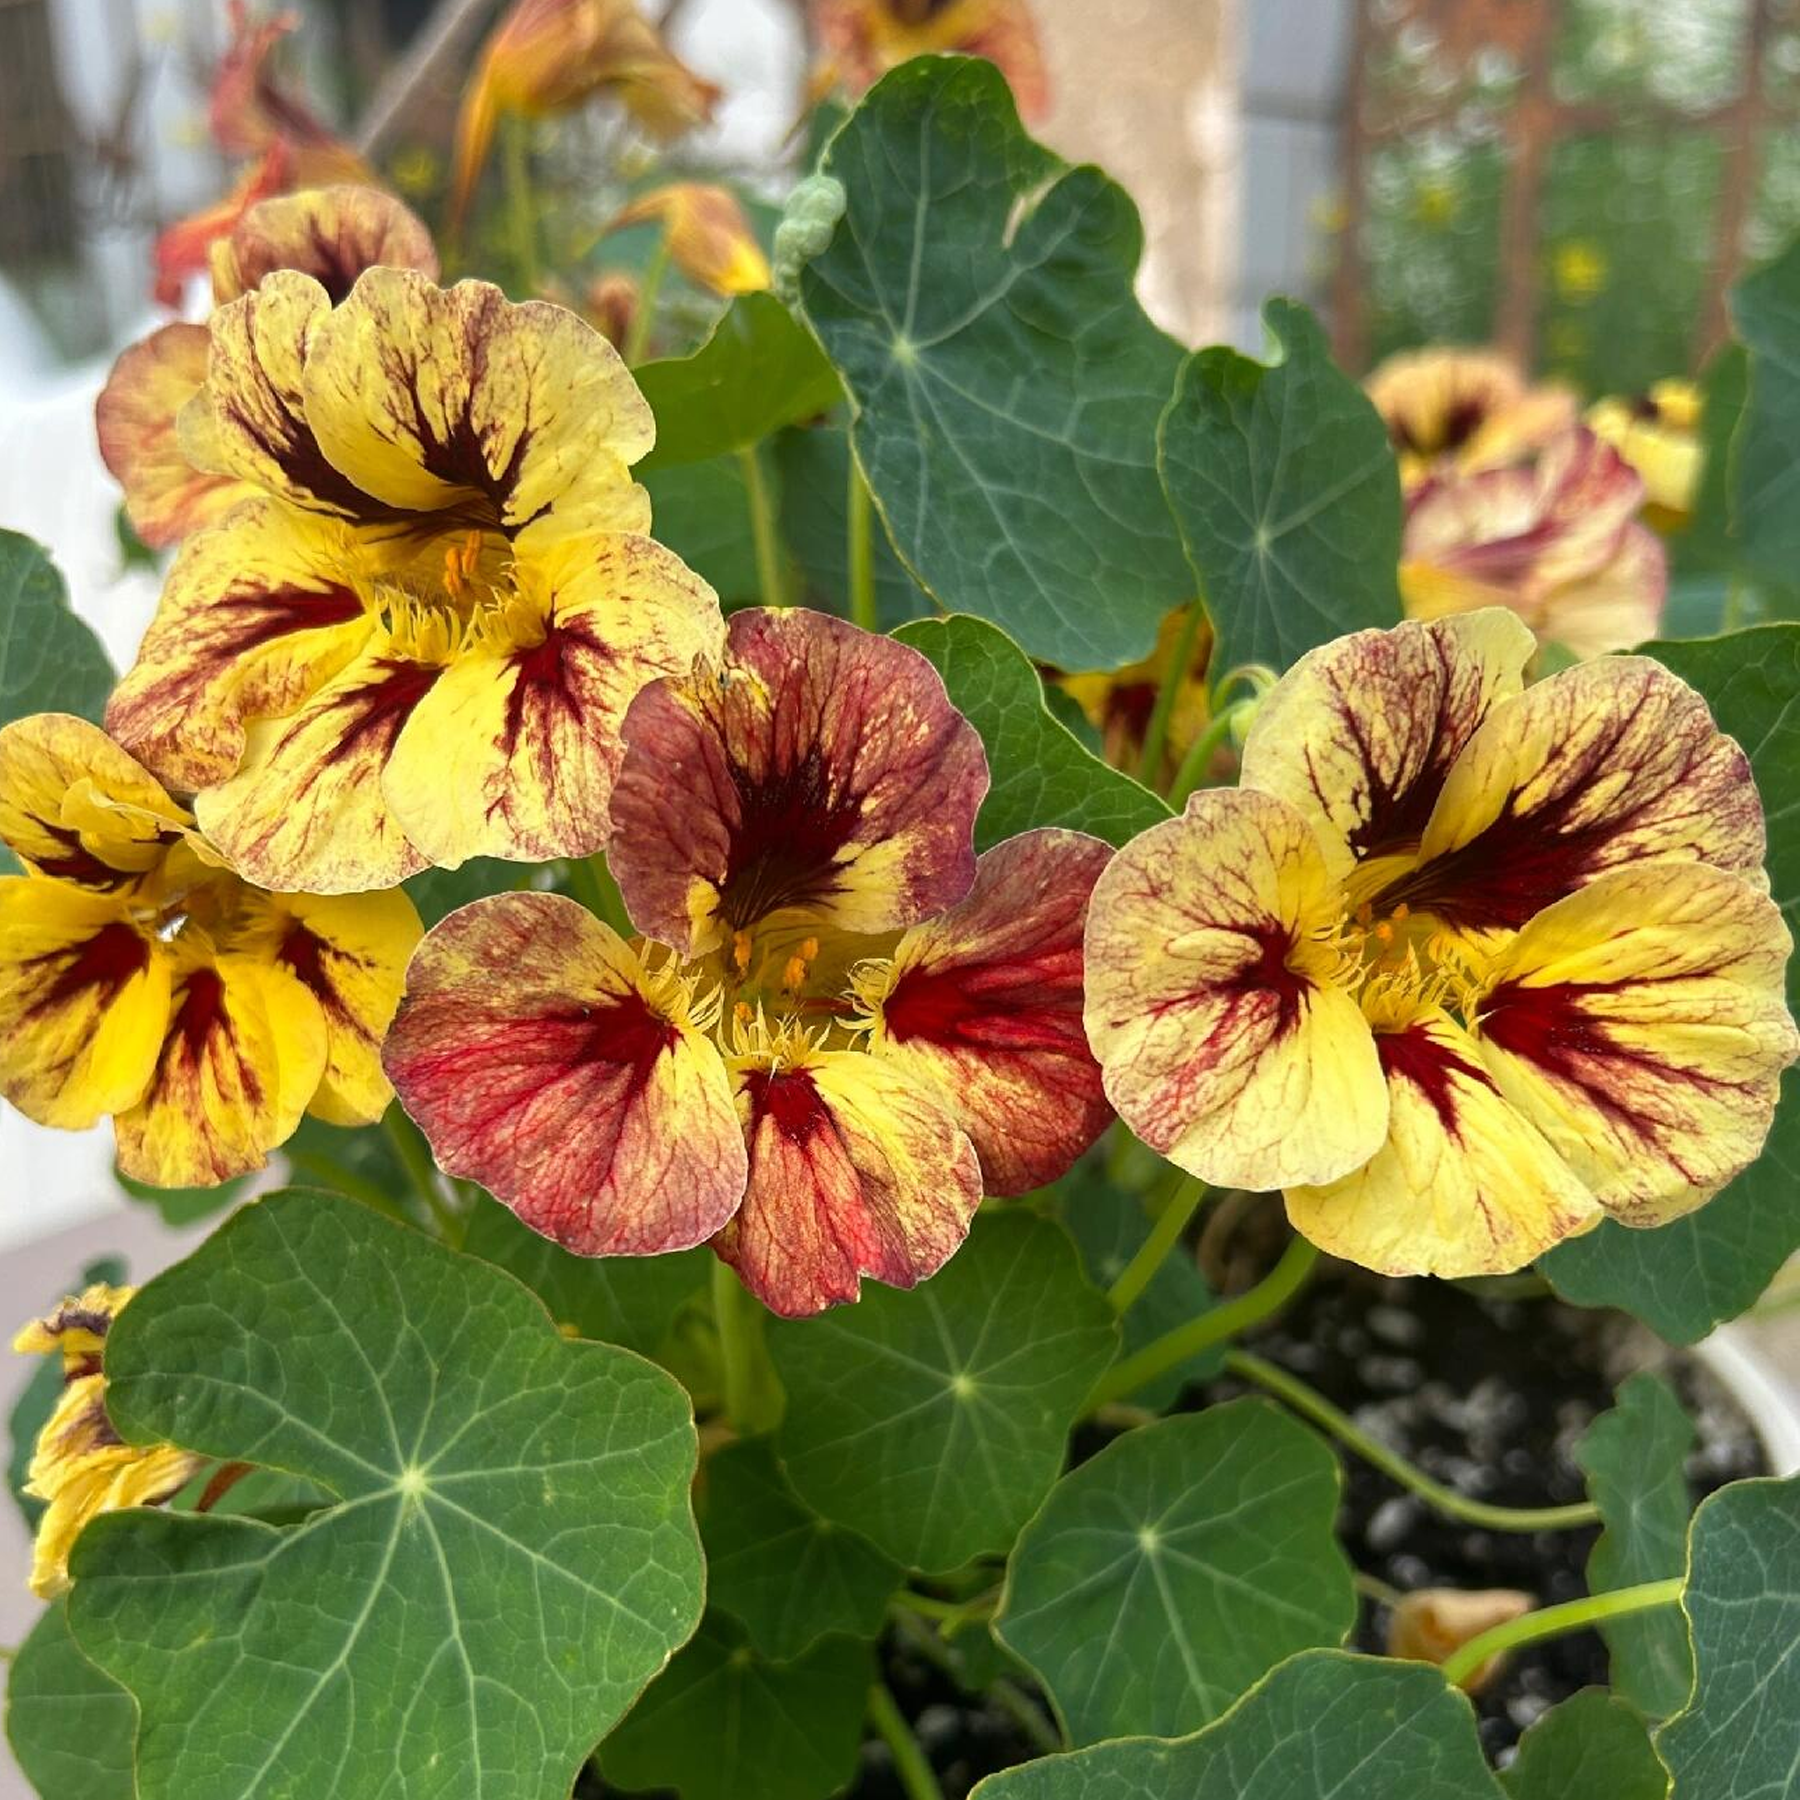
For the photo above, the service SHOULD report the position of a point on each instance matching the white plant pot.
(1768, 1393)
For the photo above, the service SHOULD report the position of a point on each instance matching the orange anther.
(793, 977)
(740, 951)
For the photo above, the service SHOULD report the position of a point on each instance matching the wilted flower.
(81, 1467)
(1658, 433)
(1464, 409)
(1463, 967)
(839, 1028)
(709, 239)
(332, 234)
(138, 979)
(416, 644)
(1119, 703)
(860, 40)
(1431, 1624)
(549, 56)
(1557, 540)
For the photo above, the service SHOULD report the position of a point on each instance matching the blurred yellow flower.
(709, 238)
(1658, 433)
(1579, 270)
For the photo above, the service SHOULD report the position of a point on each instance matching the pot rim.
(1765, 1390)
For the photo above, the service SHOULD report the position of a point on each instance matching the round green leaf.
(1593, 1744)
(1284, 484)
(511, 1557)
(1634, 1458)
(722, 1724)
(934, 1420)
(1739, 1737)
(49, 660)
(1164, 1577)
(1323, 1726)
(69, 1726)
(785, 1574)
(976, 298)
(1042, 775)
(1765, 462)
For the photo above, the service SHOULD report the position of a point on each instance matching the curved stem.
(410, 1146)
(1156, 733)
(1555, 1621)
(916, 1776)
(762, 527)
(1165, 1234)
(860, 526)
(1218, 1326)
(643, 317)
(1314, 1406)
(515, 148)
(1199, 757)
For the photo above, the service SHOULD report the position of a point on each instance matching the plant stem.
(860, 526)
(521, 214)
(1026, 1714)
(224, 1479)
(762, 527)
(637, 334)
(751, 1400)
(1165, 1234)
(951, 1615)
(599, 893)
(1198, 759)
(1218, 1326)
(410, 1146)
(915, 1772)
(1316, 1407)
(1156, 733)
(1555, 1621)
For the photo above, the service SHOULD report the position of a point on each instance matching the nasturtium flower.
(416, 643)
(709, 238)
(1558, 540)
(839, 1027)
(1118, 703)
(81, 1467)
(332, 234)
(550, 56)
(141, 980)
(1462, 967)
(1464, 409)
(860, 40)
(1658, 433)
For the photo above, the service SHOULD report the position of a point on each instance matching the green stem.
(751, 1400)
(915, 1773)
(637, 334)
(1199, 757)
(521, 214)
(599, 893)
(951, 1615)
(1165, 1234)
(1316, 1407)
(410, 1146)
(1156, 733)
(1026, 1714)
(1556, 1621)
(762, 527)
(860, 517)
(1219, 1326)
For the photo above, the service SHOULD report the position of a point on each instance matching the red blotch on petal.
(107, 961)
(1412, 1055)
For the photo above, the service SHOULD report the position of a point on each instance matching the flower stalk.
(637, 338)
(915, 1773)
(1557, 1621)
(1165, 1234)
(762, 528)
(752, 1402)
(860, 526)
(1156, 732)
(521, 210)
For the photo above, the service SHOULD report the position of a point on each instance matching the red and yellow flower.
(860, 40)
(1658, 433)
(1464, 410)
(1118, 703)
(416, 643)
(332, 234)
(140, 980)
(80, 1466)
(1558, 540)
(1462, 967)
(549, 56)
(839, 1028)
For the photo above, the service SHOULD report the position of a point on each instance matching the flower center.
(469, 599)
(779, 986)
(1398, 964)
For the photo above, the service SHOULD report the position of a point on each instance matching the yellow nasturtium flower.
(415, 643)
(140, 980)
(81, 1467)
(1462, 967)
(709, 238)
(840, 1027)
(1658, 433)
(1463, 410)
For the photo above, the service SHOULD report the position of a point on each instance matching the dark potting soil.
(1490, 1397)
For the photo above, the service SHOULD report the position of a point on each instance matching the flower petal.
(984, 1001)
(821, 770)
(166, 497)
(1614, 606)
(1463, 1186)
(305, 810)
(257, 615)
(1225, 1044)
(438, 400)
(242, 1052)
(514, 751)
(75, 807)
(855, 1170)
(1614, 762)
(1360, 733)
(543, 1059)
(1641, 1025)
(83, 998)
(332, 234)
